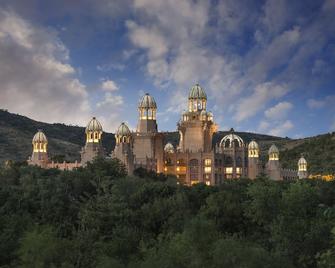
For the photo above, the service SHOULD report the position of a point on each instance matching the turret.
(253, 160)
(39, 156)
(124, 147)
(147, 109)
(302, 168)
(273, 167)
(197, 99)
(93, 147)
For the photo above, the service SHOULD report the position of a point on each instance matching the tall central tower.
(196, 126)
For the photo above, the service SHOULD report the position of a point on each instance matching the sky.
(267, 66)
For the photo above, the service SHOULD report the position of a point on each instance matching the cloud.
(36, 77)
(111, 66)
(315, 104)
(282, 129)
(252, 104)
(110, 100)
(320, 103)
(109, 85)
(279, 111)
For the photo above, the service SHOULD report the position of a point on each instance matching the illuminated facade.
(194, 160)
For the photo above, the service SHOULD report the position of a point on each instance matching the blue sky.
(267, 66)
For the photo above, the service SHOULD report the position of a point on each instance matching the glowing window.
(229, 170)
(208, 162)
(208, 169)
(208, 183)
(238, 170)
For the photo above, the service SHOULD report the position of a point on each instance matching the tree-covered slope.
(16, 133)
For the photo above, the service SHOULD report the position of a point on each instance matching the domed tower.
(169, 149)
(124, 147)
(253, 160)
(147, 142)
(302, 168)
(234, 155)
(93, 147)
(147, 109)
(273, 167)
(197, 99)
(197, 126)
(39, 156)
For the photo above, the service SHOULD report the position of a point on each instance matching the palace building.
(194, 160)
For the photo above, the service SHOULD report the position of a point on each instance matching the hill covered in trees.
(98, 217)
(65, 143)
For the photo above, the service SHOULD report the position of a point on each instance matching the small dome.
(197, 92)
(229, 140)
(253, 145)
(302, 161)
(273, 149)
(147, 102)
(203, 115)
(40, 137)
(169, 148)
(93, 125)
(123, 130)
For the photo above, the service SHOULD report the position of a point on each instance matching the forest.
(98, 216)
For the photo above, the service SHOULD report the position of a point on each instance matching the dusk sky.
(267, 66)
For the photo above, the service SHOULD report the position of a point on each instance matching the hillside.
(65, 142)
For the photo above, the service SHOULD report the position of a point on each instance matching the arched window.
(236, 143)
(227, 143)
(194, 169)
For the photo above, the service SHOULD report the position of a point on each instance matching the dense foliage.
(319, 150)
(98, 217)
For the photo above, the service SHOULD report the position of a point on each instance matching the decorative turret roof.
(93, 125)
(253, 145)
(273, 149)
(147, 102)
(123, 130)
(40, 137)
(169, 148)
(197, 92)
(302, 161)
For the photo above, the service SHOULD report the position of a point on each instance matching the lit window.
(238, 170)
(194, 182)
(208, 183)
(229, 170)
(208, 162)
(208, 169)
